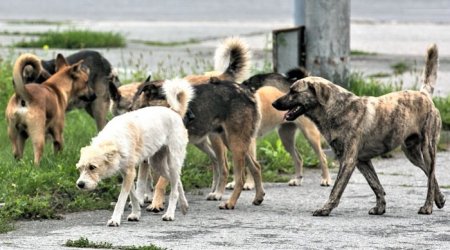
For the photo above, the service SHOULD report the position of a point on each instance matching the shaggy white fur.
(155, 133)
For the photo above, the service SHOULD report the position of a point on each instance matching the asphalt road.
(283, 221)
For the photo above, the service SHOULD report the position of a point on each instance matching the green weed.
(75, 39)
(400, 68)
(361, 53)
(86, 243)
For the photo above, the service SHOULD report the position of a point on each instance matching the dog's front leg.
(142, 181)
(348, 164)
(135, 207)
(128, 179)
(368, 171)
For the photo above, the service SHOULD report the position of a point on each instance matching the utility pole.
(327, 37)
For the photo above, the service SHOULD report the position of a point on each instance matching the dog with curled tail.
(154, 133)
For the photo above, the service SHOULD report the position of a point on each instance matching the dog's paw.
(226, 205)
(113, 223)
(133, 217)
(168, 217)
(214, 197)
(249, 186)
(325, 182)
(295, 182)
(321, 212)
(377, 211)
(257, 201)
(440, 201)
(426, 210)
(184, 209)
(230, 186)
(154, 209)
(147, 198)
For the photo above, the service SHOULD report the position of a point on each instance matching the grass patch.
(37, 22)
(18, 33)
(443, 104)
(168, 44)
(76, 39)
(86, 243)
(361, 53)
(400, 68)
(368, 86)
(379, 75)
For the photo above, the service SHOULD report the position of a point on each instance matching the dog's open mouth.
(293, 113)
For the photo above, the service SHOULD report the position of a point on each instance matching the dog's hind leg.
(182, 199)
(18, 142)
(127, 185)
(255, 170)
(238, 151)
(249, 180)
(216, 152)
(424, 158)
(58, 140)
(368, 171)
(157, 204)
(220, 166)
(37, 135)
(287, 135)
(158, 162)
(312, 134)
(173, 165)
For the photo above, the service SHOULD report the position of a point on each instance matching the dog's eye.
(92, 167)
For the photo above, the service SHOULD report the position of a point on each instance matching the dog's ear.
(149, 77)
(114, 92)
(60, 62)
(110, 151)
(75, 69)
(322, 91)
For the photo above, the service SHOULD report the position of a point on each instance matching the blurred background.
(175, 36)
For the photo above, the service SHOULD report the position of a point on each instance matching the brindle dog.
(360, 128)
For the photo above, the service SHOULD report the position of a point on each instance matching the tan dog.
(360, 128)
(268, 88)
(37, 110)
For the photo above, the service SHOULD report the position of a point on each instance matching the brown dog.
(35, 70)
(37, 110)
(360, 128)
(269, 87)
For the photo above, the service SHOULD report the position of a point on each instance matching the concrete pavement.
(283, 221)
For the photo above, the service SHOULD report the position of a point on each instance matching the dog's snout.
(81, 184)
(276, 104)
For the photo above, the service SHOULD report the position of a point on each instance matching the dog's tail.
(178, 94)
(430, 73)
(236, 52)
(296, 74)
(27, 67)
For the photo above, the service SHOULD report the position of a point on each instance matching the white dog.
(127, 140)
